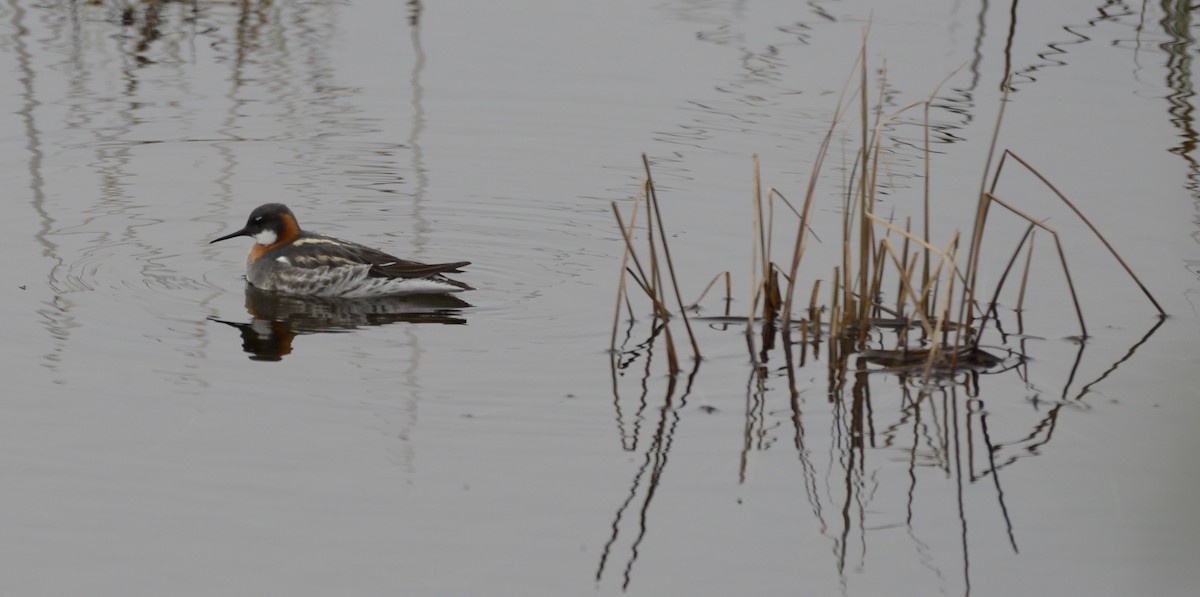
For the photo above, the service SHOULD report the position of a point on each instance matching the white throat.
(266, 237)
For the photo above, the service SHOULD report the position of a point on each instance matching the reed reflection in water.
(893, 445)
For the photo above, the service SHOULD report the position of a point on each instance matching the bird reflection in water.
(277, 319)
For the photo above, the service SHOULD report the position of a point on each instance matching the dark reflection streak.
(868, 406)
(149, 31)
(1056, 51)
(1008, 44)
(33, 142)
(859, 397)
(1047, 426)
(939, 443)
(660, 462)
(646, 347)
(915, 409)
(411, 371)
(991, 453)
(56, 313)
(614, 361)
(421, 226)
(1074, 369)
(1128, 355)
(1032, 446)
(661, 448)
(1137, 42)
(115, 154)
(808, 470)
(810, 473)
(1176, 23)
(839, 456)
(194, 32)
(973, 408)
(1023, 366)
(977, 50)
(748, 422)
(654, 463)
(643, 402)
(851, 466)
(821, 12)
(616, 523)
(628, 437)
(958, 481)
(687, 390)
(861, 394)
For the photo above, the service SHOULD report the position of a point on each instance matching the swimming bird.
(289, 260)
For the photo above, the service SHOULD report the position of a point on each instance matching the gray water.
(166, 432)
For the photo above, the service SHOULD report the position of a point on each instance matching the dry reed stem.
(914, 238)
(621, 291)
(1025, 276)
(809, 195)
(770, 221)
(886, 246)
(948, 292)
(928, 161)
(848, 303)
(1003, 279)
(812, 301)
(1082, 217)
(835, 319)
(1061, 255)
(876, 281)
(966, 306)
(652, 199)
(757, 248)
(728, 292)
(941, 253)
(864, 243)
(659, 308)
(904, 250)
(908, 274)
(757, 253)
(803, 337)
(933, 283)
(868, 195)
(944, 254)
(709, 287)
(775, 192)
(943, 316)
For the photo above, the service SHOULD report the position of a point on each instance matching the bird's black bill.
(242, 232)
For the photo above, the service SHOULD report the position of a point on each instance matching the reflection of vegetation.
(927, 338)
(945, 432)
(1177, 23)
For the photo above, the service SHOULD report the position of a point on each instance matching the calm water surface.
(167, 431)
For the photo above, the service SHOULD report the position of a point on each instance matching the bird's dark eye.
(258, 219)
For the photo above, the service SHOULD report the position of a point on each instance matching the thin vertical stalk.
(652, 198)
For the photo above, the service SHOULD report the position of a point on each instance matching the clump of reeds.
(935, 310)
(649, 278)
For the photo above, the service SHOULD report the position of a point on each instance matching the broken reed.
(925, 296)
